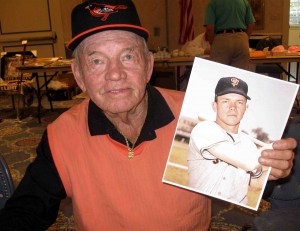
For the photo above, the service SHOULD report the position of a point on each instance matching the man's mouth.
(117, 91)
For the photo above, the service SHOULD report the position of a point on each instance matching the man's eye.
(128, 57)
(96, 61)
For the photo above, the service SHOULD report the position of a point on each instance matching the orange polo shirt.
(110, 192)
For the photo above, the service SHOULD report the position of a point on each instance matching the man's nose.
(115, 70)
(232, 106)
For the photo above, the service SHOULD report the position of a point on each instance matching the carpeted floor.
(19, 139)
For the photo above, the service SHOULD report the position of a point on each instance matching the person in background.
(229, 26)
(108, 153)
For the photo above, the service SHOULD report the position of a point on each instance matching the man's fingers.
(280, 158)
(288, 143)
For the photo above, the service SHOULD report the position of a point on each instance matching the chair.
(268, 68)
(62, 87)
(6, 183)
(12, 82)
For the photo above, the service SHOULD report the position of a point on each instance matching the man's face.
(230, 109)
(113, 70)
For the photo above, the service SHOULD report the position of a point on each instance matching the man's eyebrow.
(93, 52)
(228, 98)
(131, 49)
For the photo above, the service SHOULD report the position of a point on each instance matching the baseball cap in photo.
(228, 85)
(94, 16)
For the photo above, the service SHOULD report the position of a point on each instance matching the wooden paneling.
(44, 50)
(161, 17)
(38, 21)
(24, 16)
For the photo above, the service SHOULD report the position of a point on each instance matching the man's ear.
(214, 106)
(77, 75)
(150, 65)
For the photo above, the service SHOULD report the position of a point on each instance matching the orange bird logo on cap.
(104, 10)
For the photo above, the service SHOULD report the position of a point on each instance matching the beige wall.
(164, 15)
(66, 9)
(40, 28)
(276, 19)
(198, 10)
(153, 16)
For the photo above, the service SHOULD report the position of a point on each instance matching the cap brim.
(235, 92)
(141, 31)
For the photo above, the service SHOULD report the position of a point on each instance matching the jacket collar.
(159, 115)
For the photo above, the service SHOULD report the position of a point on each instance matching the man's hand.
(280, 158)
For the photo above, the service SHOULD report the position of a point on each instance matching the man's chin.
(232, 121)
(117, 108)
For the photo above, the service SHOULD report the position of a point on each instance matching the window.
(294, 12)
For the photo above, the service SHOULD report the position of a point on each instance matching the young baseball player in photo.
(223, 160)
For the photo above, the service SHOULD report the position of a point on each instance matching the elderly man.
(109, 152)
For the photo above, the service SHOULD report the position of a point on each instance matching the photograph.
(228, 117)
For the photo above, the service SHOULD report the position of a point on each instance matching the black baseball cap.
(228, 85)
(94, 16)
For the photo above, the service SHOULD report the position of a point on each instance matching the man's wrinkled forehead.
(112, 36)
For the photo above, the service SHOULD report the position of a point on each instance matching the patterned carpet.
(19, 139)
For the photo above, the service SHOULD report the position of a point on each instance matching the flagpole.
(167, 23)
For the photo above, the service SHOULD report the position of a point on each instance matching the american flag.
(186, 21)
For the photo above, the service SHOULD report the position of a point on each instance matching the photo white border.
(271, 103)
